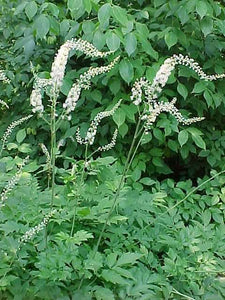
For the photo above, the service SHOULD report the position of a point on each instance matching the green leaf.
(87, 6)
(74, 4)
(119, 117)
(199, 87)
(112, 276)
(25, 148)
(130, 43)
(206, 217)
(196, 136)
(182, 90)
(147, 181)
(170, 39)
(206, 25)
(126, 70)
(123, 129)
(104, 14)
(31, 9)
(201, 8)
(20, 136)
(112, 41)
(183, 137)
(128, 258)
(102, 293)
(42, 26)
(99, 39)
(120, 15)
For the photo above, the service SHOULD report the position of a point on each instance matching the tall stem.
(53, 146)
(125, 170)
(81, 183)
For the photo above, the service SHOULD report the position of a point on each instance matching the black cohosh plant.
(144, 94)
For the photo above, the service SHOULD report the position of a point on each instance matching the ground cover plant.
(107, 186)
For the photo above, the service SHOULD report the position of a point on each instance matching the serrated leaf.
(113, 276)
(102, 293)
(126, 70)
(104, 14)
(112, 41)
(183, 137)
(182, 90)
(170, 39)
(119, 117)
(201, 8)
(130, 43)
(42, 26)
(20, 136)
(128, 258)
(31, 9)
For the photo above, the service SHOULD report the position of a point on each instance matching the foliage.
(165, 237)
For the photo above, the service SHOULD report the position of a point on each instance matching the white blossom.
(84, 82)
(3, 77)
(158, 107)
(4, 103)
(111, 144)
(91, 133)
(59, 64)
(28, 235)
(12, 182)
(10, 129)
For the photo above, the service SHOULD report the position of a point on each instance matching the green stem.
(125, 170)
(53, 146)
(81, 183)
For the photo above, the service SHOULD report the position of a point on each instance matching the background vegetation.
(165, 239)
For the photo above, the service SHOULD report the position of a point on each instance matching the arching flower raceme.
(91, 133)
(151, 90)
(59, 64)
(158, 107)
(58, 72)
(12, 183)
(28, 235)
(84, 83)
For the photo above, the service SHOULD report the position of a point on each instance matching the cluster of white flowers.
(157, 107)
(151, 90)
(36, 100)
(189, 62)
(12, 182)
(33, 231)
(3, 77)
(162, 76)
(10, 128)
(91, 133)
(136, 91)
(4, 103)
(59, 64)
(111, 144)
(84, 83)
(57, 75)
